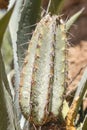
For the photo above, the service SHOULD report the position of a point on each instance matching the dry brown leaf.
(71, 115)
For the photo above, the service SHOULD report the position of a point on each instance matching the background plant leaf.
(81, 89)
(13, 28)
(56, 6)
(29, 16)
(8, 120)
(4, 22)
(73, 19)
(85, 124)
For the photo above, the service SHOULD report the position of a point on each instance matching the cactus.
(44, 73)
(43, 79)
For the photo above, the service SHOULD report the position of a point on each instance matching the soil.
(4, 4)
(77, 62)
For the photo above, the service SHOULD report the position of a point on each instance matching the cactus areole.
(44, 73)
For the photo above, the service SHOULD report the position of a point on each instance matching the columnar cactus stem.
(60, 68)
(42, 72)
(43, 77)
